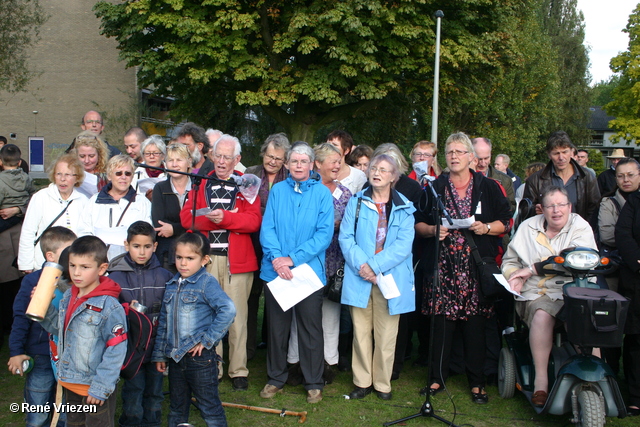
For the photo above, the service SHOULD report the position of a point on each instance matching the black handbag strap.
(467, 234)
(124, 212)
(355, 224)
(52, 222)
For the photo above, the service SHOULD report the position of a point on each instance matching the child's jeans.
(142, 398)
(6, 224)
(198, 376)
(40, 389)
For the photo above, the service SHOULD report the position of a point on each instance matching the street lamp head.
(34, 112)
(439, 14)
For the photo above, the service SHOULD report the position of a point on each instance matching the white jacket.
(106, 215)
(140, 174)
(530, 245)
(45, 205)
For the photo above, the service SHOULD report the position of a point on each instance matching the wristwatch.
(488, 228)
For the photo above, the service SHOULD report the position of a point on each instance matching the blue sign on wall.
(36, 153)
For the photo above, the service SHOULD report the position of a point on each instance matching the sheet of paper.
(111, 236)
(459, 223)
(387, 286)
(290, 292)
(89, 185)
(148, 184)
(501, 279)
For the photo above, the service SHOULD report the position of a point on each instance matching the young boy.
(142, 279)
(29, 341)
(91, 326)
(16, 187)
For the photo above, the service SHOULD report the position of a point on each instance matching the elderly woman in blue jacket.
(297, 228)
(376, 237)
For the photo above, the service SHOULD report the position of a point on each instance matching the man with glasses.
(228, 225)
(563, 171)
(482, 147)
(92, 121)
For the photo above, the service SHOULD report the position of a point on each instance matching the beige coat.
(531, 245)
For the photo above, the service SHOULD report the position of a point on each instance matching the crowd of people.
(173, 226)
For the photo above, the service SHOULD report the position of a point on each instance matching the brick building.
(80, 72)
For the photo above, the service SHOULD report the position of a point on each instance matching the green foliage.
(602, 92)
(596, 161)
(626, 96)
(19, 30)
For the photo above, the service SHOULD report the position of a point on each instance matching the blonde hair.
(181, 150)
(118, 161)
(89, 139)
(72, 163)
(428, 144)
(460, 138)
(324, 150)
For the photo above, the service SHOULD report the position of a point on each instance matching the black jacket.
(494, 206)
(165, 207)
(628, 237)
(586, 189)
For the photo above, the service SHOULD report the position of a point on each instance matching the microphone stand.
(196, 179)
(439, 211)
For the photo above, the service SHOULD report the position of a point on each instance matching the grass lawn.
(334, 410)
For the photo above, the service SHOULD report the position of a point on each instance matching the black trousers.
(473, 339)
(631, 364)
(308, 314)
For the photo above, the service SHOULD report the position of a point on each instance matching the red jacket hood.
(106, 287)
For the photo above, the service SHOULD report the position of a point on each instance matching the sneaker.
(314, 396)
(240, 383)
(269, 391)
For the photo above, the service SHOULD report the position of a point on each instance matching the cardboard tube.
(43, 294)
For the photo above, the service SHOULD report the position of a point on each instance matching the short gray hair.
(237, 149)
(154, 140)
(391, 149)
(460, 138)
(301, 147)
(395, 172)
(505, 158)
(278, 141)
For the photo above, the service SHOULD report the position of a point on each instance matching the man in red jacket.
(230, 220)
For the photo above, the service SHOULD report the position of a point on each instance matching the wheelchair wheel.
(506, 374)
(591, 409)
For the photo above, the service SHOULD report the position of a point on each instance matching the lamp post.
(436, 80)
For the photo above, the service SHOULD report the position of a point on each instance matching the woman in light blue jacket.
(376, 237)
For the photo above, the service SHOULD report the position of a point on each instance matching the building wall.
(80, 72)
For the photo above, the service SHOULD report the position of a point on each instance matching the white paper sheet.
(290, 292)
(111, 236)
(148, 183)
(387, 286)
(505, 284)
(459, 223)
(89, 185)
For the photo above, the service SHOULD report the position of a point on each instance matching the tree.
(602, 92)
(306, 63)
(625, 106)
(19, 30)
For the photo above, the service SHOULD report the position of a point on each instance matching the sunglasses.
(119, 173)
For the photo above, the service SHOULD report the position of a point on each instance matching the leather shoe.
(480, 397)
(431, 390)
(633, 412)
(360, 393)
(539, 398)
(383, 395)
(240, 383)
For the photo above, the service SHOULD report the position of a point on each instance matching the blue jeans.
(196, 375)
(142, 398)
(40, 389)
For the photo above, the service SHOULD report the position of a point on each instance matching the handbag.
(486, 267)
(333, 290)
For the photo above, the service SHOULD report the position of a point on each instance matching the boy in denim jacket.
(91, 326)
(29, 341)
(142, 279)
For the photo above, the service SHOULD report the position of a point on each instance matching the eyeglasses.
(274, 158)
(119, 173)
(374, 169)
(155, 154)
(421, 155)
(226, 158)
(299, 162)
(629, 176)
(65, 175)
(458, 153)
(91, 122)
(557, 206)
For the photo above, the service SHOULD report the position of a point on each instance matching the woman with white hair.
(153, 151)
(297, 228)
